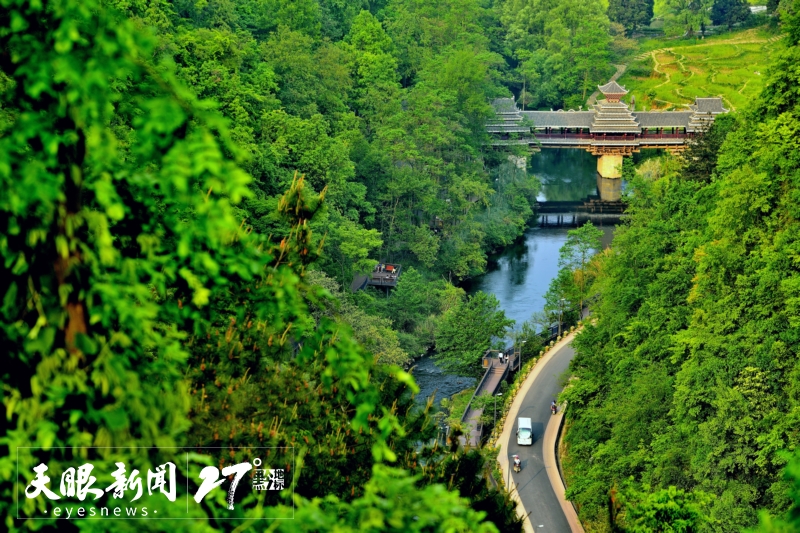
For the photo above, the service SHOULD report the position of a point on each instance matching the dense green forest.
(190, 186)
(685, 407)
(382, 105)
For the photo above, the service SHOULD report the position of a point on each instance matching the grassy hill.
(671, 73)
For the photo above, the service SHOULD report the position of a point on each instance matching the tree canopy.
(561, 46)
(466, 331)
(632, 14)
(687, 375)
(157, 245)
(729, 12)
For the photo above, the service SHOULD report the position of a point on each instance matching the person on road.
(553, 407)
(517, 463)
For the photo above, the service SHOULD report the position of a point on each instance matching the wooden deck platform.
(383, 279)
(384, 275)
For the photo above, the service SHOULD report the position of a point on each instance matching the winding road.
(532, 485)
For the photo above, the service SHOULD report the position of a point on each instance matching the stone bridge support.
(609, 177)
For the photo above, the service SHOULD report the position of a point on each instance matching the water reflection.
(566, 174)
(520, 276)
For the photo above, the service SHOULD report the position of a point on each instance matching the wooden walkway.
(495, 373)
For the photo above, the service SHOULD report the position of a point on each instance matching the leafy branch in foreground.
(121, 258)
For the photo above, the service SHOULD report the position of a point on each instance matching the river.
(520, 275)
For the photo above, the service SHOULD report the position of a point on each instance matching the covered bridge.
(609, 130)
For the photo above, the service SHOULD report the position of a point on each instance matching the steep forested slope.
(386, 115)
(383, 104)
(140, 314)
(691, 376)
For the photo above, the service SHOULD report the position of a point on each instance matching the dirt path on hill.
(593, 98)
(680, 57)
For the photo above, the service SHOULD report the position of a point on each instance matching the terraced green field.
(732, 66)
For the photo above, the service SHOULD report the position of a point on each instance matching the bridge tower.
(612, 120)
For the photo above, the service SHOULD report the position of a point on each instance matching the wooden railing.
(478, 388)
(587, 136)
(599, 136)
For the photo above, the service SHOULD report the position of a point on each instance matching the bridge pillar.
(609, 177)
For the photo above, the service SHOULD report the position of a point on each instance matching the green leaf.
(85, 344)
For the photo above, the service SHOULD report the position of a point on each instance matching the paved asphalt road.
(532, 483)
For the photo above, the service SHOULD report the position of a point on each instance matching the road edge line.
(551, 466)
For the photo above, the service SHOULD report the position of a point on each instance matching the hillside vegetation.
(686, 405)
(189, 188)
(670, 74)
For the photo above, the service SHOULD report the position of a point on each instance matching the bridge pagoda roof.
(504, 106)
(612, 87)
(613, 116)
(708, 105)
(703, 112)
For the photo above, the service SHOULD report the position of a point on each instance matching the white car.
(524, 432)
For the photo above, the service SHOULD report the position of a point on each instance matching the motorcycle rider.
(553, 407)
(517, 463)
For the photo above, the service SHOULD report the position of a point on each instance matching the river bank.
(520, 275)
(433, 380)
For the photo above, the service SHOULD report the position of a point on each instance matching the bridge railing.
(592, 136)
(587, 136)
(665, 135)
(488, 364)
